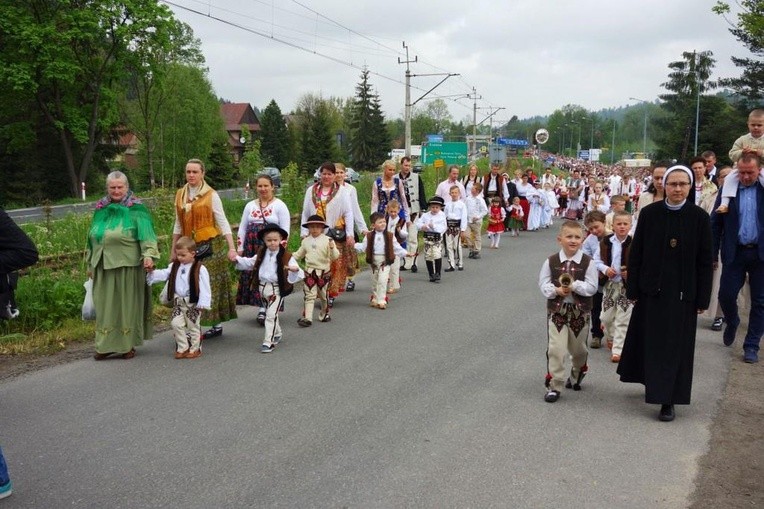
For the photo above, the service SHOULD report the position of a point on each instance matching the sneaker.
(552, 396)
(750, 357)
(596, 343)
(350, 286)
(6, 489)
(717, 325)
(266, 348)
(276, 340)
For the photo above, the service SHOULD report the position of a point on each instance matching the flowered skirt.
(341, 269)
(244, 294)
(221, 284)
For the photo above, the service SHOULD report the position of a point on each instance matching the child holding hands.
(382, 251)
(318, 251)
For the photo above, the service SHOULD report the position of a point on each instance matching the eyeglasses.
(677, 184)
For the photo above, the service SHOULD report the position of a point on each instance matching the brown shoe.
(129, 355)
(615, 358)
(181, 355)
(102, 356)
(194, 354)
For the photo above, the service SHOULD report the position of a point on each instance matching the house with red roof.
(235, 115)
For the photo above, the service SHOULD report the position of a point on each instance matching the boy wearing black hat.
(274, 273)
(319, 251)
(433, 225)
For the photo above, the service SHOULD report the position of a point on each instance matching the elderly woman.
(358, 220)
(669, 278)
(263, 210)
(122, 246)
(326, 198)
(199, 214)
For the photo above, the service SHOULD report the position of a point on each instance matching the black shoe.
(350, 286)
(552, 396)
(729, 334)
(717, 325)
(437, 276)
(213, 332)
(330, 302)
(667, 413)
(450, 269)
(414, 269)
(461, 268)
(476, 256)
(261, 317)
(570, 385)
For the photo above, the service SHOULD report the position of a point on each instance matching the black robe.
(669, 274)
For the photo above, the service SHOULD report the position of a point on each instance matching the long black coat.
(669, 274)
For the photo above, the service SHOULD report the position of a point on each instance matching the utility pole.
(407, 110)
(474, 98)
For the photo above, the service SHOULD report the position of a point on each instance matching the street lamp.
(644, 134)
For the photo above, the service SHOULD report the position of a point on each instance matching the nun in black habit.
(669, 278)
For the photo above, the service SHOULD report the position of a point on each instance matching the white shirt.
(430, 222)
(616, 252)
(585, 288)
(276, 212)
(379, 245)
(268, 269)
(182, 283)
(457, 210)
(444, 190)
(476, 208)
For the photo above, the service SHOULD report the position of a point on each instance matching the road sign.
(439, 163)
(498, 154)
(435, 138)
(513, 142)
(583, 154)
(451, 152)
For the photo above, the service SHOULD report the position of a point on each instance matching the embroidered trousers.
(271, 299)
(380, 275)
(616, 313)
(316, 285)
(567, 332)
(186, 325)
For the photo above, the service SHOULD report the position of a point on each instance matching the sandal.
(102, 356)
(129, 355)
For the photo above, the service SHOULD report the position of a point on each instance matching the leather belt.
(748, 246)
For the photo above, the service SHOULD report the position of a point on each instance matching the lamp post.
(644, 133)
(612, 147)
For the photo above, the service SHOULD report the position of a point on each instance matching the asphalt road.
(435, 402)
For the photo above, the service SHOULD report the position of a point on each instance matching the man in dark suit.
(739, 234)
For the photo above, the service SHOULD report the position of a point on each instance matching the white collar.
(576, 258)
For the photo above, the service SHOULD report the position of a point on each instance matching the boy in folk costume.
(594, 222)
(319, 251)
(274, 273)
(382, 251)
(188, 290)
(395, 221)
(433, 224)
(611, 261)
(617, 204)
(456, 221)
(476, 211)
(568, 279)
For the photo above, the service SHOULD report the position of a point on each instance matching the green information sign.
(451, 152)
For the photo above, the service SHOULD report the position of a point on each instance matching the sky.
(529, 57)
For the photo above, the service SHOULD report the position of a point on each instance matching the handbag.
(203, 250)
(337, 235)
(88, 307)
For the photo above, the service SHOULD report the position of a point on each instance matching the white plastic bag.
(88, 308)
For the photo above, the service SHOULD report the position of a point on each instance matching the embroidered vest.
(389, 254)
(499, 186)
(411, 188)
(193, 281)
(384, 197)
(282, 259)
(606, 255)
(578, 272)
(199, 223)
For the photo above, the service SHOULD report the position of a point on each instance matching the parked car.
(350, 175)
(272, 172)
(417, 167)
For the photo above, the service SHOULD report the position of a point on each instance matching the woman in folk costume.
(122, 246)
(199, 214)
(263, 210)
(360, 224)
(525, 190)
(670, 272)
(327, 199)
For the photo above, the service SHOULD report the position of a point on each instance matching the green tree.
(749, 30)
(70, 55)
(369, 140)
(251, 162)
(147, 86)
(313, 125)
(689, 78)
(275, 137)
(437, 110)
